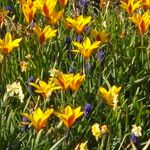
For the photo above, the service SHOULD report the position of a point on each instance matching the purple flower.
(68, 42)
(24, 127)
(72, 70)
(82, 3)
(31, 79)
(79, 38)
(100, 55)
(86, 29)
(88, 66)
(9, 8)
(134, 139)
(87, 109)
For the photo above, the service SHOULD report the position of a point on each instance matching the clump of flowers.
(14, 89)
(98, 131)
(87, 109)
(38, 118)
(69, 115)
(110, 96)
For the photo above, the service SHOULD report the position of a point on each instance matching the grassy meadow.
(74, 75)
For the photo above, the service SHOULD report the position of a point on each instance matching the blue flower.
(24, 127)
(68, 42)
(87, 109)
(100, 55)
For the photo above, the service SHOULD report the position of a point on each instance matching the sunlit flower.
(29, 9)
(63, 3)
(69, 115)
(82, 146)
(96, 131)
(15, 89)
(143, 22)
(78, 23)
(24, 66)
(146, 4)
(131, 5)
(47, 33)
(110, 96)
(38, 118)
(45, 89)
(104, 129)
(101, 36)
(85, 48)
(7, 44)
(76, 81)
(50, 12)
(62, 79)
(136, 130)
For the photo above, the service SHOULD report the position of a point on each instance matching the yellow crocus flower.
(7, 44)
(131, 5)
(86, 48)
(76, 81)
(63, 3)
(49, 11)
(146, 4)
(29, 9)
(38, 119)
(142, 21)
(47, 33)
(110, 96)
(78, 23)
(101, 36)
(69, 115)
(45, 89)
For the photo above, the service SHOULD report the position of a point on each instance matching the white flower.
(136, 130)
(15, 89)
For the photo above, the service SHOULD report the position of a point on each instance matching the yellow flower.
(131, 5)
(82, 146)
(110, 96)
(78, 23)
(101, 36)
(47, 33)
(38, 119)
(62, 79)
(136, 130)
(49, 11)
(96, 131)
(146, 4)
(7, 44)
(45, 89)
(29, 9)
(143, 22)
(24, 66)
(76, 81)
(86, 48)
(63, 3)
(69, 115)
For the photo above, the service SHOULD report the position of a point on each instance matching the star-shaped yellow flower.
(7, 44)
(86, 48)
(38, 119)
(69, 115)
